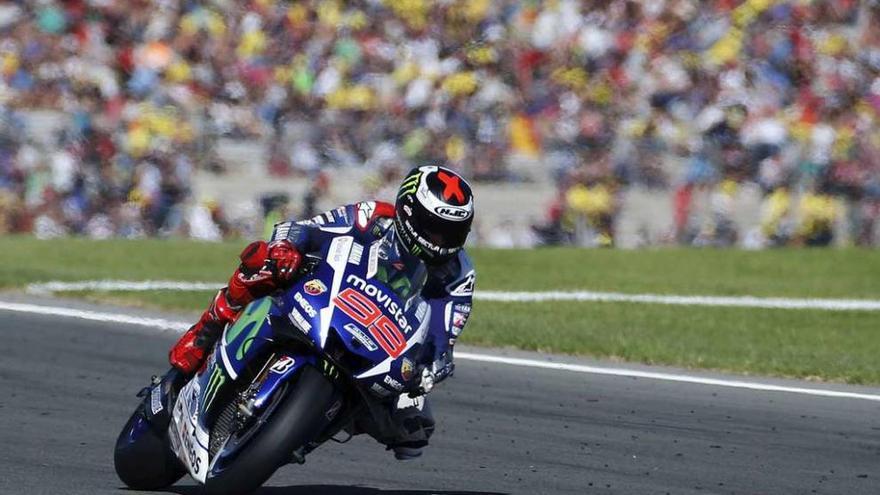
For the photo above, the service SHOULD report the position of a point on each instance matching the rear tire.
(296, 421)
(143, 458)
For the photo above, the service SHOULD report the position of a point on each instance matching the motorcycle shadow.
(332, 490)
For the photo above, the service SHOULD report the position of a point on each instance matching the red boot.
(191, 350)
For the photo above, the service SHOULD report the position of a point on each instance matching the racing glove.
(425, 385)
(264, 267)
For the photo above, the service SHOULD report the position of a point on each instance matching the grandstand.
(615, 122)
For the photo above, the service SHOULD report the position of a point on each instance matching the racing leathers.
(447, 290)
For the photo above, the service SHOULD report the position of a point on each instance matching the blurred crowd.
(693, 97)
(709, 98)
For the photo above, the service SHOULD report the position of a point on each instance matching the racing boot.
(191, 350)
(414, 422)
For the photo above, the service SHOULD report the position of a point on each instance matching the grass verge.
(839, 346)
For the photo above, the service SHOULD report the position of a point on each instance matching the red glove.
(286, 259)
(263, 268)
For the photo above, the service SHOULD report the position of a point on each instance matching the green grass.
(839, 346)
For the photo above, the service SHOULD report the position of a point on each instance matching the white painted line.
(157, 323)
(176, 326)
(718, 301)
(499, 296)
(669, 377)
(120, 285)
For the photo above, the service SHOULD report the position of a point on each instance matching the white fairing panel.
(188, 440)
(337, 257)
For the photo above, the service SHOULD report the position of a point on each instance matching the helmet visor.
(442, 233)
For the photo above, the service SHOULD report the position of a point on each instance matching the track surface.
(66, 388)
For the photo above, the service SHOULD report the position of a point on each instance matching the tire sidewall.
(295, 422)
(148, 463)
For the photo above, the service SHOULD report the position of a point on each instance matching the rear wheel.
(143, 458)
(297, 420)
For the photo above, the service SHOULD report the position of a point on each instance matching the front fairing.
(362, 308)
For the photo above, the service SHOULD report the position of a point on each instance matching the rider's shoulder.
(366, 214)
(456, 277)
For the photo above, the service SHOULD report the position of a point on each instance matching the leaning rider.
(431, 221)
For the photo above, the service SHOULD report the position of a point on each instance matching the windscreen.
(400, 271)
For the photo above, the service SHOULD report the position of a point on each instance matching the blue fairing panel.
(281, 371)
(246, 337)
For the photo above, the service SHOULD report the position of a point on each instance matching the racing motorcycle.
(292, 372)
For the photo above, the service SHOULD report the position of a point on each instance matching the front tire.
(296, 421)
(143, 458)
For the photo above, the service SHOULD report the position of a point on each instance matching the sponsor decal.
(329, 369)
(465, 288)
(373, 260)
(409, 232)
(156, 400)
(463, 308)
(214, 383)
(282, 230)
(283, 365)
(391, 382)
(247, 326)
(364, 214)
(411, 184)
(451, 187)
(422, 311)
(315, 287)
(361, 309)
(459, 319)
(357, 252)
(380, 390)
(407, 369)
(360, 336)
(453, 213)
(383, 299)
(339, 250)
(300, 321)
(189, 443)
(305, 305)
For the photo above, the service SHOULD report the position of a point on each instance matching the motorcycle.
(295, 370)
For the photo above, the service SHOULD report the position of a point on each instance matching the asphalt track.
(67, 386)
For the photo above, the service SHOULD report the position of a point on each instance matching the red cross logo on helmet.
(451, 187)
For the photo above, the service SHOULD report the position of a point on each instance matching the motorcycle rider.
(430, 220)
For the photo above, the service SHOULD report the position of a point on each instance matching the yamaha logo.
(452, 212)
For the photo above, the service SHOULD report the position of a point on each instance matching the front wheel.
(298, 420)
(143, 458)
